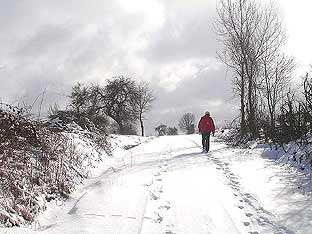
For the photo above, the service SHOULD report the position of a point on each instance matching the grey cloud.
(53, 44)
(46, 39)
(187, 33)
(210, 90)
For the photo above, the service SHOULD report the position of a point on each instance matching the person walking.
(206, 127)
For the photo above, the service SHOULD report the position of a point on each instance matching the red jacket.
(206, 124)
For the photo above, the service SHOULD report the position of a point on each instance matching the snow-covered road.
(168, 186)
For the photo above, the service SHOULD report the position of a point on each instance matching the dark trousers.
(206, 140)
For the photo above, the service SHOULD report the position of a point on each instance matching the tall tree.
(235, 18)
(143, 101)
(277, 71)
(116, 100)
(307, 84)
(248, 31)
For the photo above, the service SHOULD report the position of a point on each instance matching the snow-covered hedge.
(298, 154)
(38, 164)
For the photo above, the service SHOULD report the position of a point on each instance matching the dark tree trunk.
(251, 104)
(242, 100)
(142, 125)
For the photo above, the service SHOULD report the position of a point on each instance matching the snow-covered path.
(168, 186)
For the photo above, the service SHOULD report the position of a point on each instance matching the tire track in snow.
(143, 215)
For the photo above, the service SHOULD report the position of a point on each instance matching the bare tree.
(172, 131)
(248, 31)
(187, 123)
(121, 99)
(277, 73)
(116, 100)
(143, 100)
(234, 24)
(161, 129)
(79, 99)
(307, 84)
(82, 109)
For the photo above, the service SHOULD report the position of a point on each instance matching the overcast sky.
(51, 45)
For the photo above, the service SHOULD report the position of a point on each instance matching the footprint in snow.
(241, 207)
(153, 196)
(158, 219)
(233, 177)
(164, 207)
(147, 185)
(159, 189)
(254, 232)
(262, 221)
(250, 199)
(246, 223)
(247, 201)
(249, 214)
(249, 196)
(169, 232)
(235, 182)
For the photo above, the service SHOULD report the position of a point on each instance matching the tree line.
(119, 104)
(252, 37)
(186, 124)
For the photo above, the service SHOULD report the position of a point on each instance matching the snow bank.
(36, 177)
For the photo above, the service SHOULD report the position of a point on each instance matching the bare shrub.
(38, 164)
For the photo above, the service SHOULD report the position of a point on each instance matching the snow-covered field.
(166, 185)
